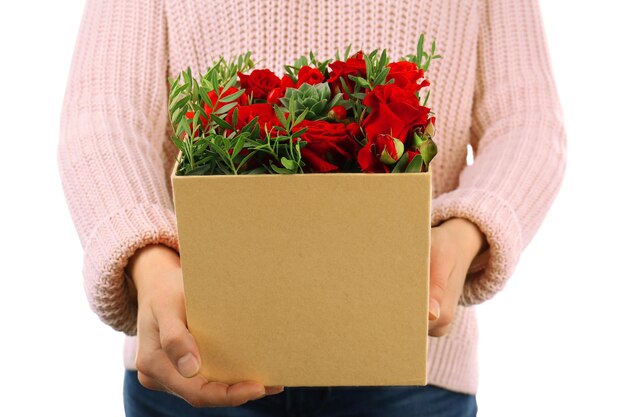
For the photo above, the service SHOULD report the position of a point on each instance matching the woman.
(492, 91)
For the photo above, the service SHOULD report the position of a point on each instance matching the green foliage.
(422, 58)
(211, 145)
(206, 122)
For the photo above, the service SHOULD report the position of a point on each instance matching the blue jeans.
(429, 401)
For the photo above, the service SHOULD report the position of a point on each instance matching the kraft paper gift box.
(307, 279)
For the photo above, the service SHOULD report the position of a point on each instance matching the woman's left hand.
(454, 244)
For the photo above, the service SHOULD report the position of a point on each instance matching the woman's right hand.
(167, 355)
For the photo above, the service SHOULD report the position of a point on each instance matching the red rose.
(405, 75)
(286, 82)
(329, 145)
(380, 153)
(309, 75)
(213, 97)
(259, 83)
(355, 65)
(265, 113)
(394, 111)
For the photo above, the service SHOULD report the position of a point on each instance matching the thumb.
(178, 343)
(438, 286)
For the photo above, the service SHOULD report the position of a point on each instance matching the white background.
(552, 343)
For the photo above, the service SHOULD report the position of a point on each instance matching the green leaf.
(230, 83)
(383, 58)
(401, 164)
(347, 53)
(221, 122)
(292, 110)
(299, 133)
(250, 126)
(225, 108)
(199, 170)
(381, 77)
(179, 104)
(175, 116)
(177, 90)
(221, 152)
(235, 116)
(255, 171)
(288, 163)
(241, 140)
(280, 170)
(344, 85)
(179, 143)
(204, 96)
(232, 97)
(281, 117)
(426, 99)
(247, 158)
(360, 81)
(420, 51)
(300, 118)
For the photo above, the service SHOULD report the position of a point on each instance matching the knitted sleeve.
(518, 142)
(112, 156)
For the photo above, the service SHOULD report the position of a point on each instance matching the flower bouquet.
(318, 278)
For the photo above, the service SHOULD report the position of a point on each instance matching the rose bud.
(392, 149)
(337, 113)
(428, 150)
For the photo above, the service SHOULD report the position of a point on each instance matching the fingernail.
(273, 390)
(188, 365)
(433, 310)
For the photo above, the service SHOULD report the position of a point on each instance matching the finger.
(438, 283)
(150, 383)
(196, 390)
(439, 330)
(177, 342)
(443, 324)
(438, 286)
(217, 394)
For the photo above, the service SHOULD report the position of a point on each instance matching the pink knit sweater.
(493, 90)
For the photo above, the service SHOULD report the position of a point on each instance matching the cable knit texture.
(493, 91)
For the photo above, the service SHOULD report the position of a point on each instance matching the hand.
(168, 358)
(454, 244)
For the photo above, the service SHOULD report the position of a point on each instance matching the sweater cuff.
(498, 222)
(107, 252)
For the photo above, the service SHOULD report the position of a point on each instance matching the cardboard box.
(307, 280)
